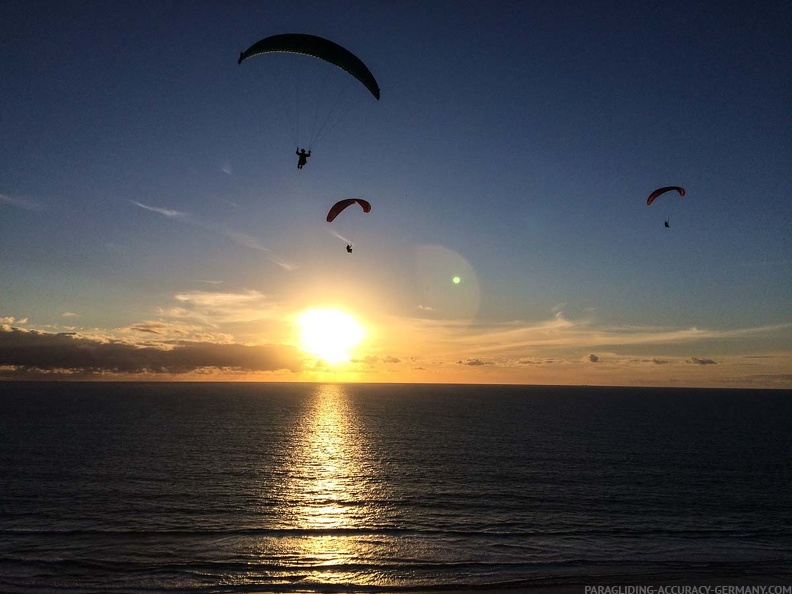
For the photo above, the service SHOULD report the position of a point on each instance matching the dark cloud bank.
(26, 353)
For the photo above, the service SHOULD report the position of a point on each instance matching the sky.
(154, 226)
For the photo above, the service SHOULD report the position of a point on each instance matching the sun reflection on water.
(328, 459)
(330, 487)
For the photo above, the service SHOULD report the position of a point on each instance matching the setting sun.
(329, 334)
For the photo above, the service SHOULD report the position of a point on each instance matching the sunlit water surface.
(262, 487)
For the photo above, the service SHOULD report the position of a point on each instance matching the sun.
(329, 334)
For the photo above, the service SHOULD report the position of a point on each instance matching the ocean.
(241, 487)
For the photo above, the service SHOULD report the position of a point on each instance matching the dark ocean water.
(301, 487)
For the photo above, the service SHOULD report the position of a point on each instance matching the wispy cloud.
(171, 214)
(700, 361)
(237, 237)
(338, 235)
(214, 309)
(247, 240)
(224, 300)
(559, 348)
(564, 333)
(150, 327)
(23, 203)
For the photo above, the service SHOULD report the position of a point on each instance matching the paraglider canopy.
(660, 191)
(318, 47)
(342, 204)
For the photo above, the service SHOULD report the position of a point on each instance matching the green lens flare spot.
(456, 280)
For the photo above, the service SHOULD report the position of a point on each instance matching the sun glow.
(329, 334)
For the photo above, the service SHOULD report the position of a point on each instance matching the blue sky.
(149, 195)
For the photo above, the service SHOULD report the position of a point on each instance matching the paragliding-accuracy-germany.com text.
(677, 589)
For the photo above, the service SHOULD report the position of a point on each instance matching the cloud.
(163, 333)
(239, 238)
(593, 358)
(22, 203)
(390, 359)
(163, 211)
(247, 240)
(781, 380)
(12, 320)
(697, 361)
(536, 361)
(561, 332)
(256, 244)
(213, 308)
(653, 361)
(367, 360)
(554, 349)
(216, 299)
(473, 362)
(69, 314)
(150, 327)
(28, 352)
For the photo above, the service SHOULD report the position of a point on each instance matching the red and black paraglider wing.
(660, 191)
(342, 204)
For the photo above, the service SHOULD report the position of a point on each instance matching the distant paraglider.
(660, 191)
(341, 205)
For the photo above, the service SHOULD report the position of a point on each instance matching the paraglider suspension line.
(335, 110)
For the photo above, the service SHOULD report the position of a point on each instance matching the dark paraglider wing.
(342, 204)
(324, 49)
(660, 191)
